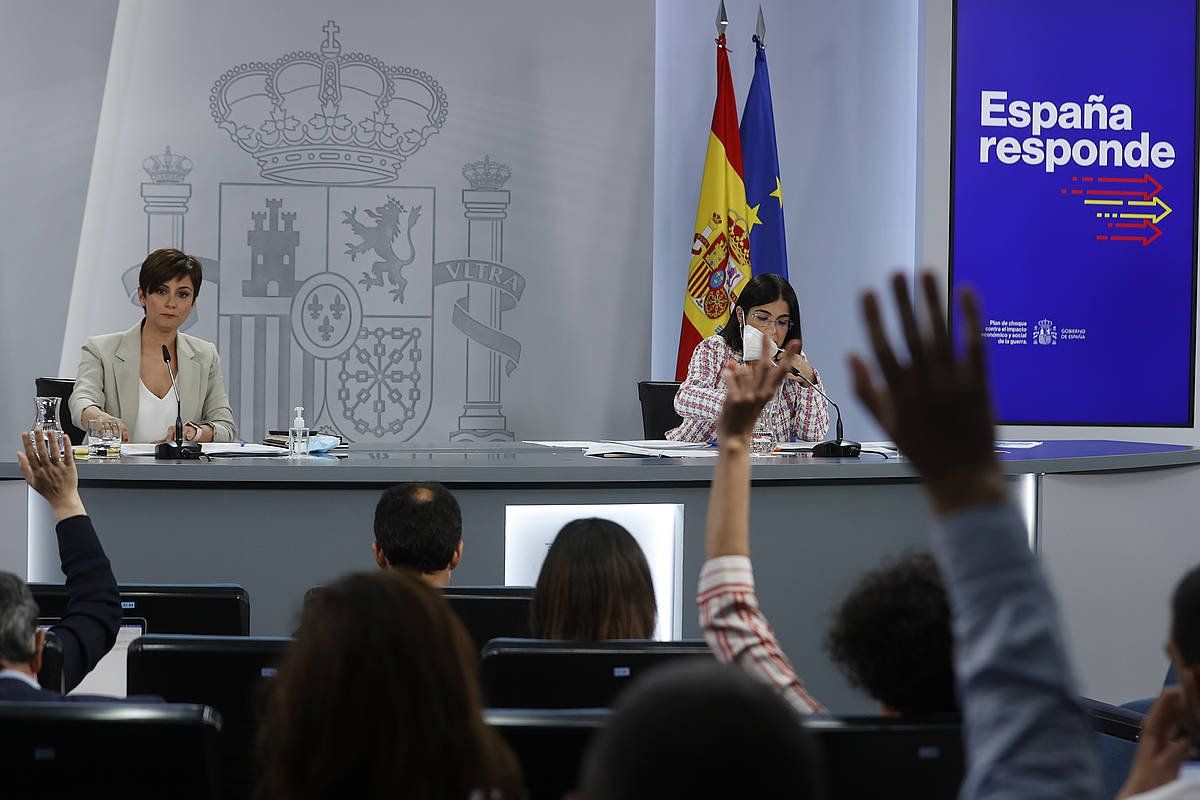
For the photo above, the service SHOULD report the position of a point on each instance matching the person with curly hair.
(891, 637)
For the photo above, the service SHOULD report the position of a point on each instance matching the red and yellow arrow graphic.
(1149, 205)
(1133, 205)
(1116, 187)
(1144, 225)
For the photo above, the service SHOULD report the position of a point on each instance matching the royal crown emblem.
(167, 167)
(487, 175)
(1045, 333)
(328, 117)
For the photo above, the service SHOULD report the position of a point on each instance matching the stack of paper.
(651, 449)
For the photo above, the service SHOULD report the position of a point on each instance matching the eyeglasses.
(763, 320)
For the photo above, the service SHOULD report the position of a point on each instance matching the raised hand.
(1164, 745)
(936, 407)
(50, 469)
(748, 387)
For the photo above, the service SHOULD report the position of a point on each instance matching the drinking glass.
(104, 439)
(46, 420)
(762, 438)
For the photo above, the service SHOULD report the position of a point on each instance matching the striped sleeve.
(808, 411)
(702, 393)
(738, 633)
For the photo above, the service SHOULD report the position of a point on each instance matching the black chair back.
(219, 609)
(533, 673)
(658, 407)
(890, 756)
(51, 674)
(549, 744)
(1118, 730)
(229, 673)
(491, 612)
(61, 387)
(110, 750)
(1110, 720)
(487, 612)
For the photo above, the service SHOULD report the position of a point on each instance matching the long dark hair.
(379, 697)
(594, 585)
(758, 291)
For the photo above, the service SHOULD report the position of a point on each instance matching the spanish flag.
(720, 262)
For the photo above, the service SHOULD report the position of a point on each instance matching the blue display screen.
(1073, 205)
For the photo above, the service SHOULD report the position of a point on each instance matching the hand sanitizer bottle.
(298, 435)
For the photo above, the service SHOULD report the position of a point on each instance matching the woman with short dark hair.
(379, 697)
(594, 585)
(123, 379)
(768, 305)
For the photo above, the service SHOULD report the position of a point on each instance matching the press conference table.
(279, 527)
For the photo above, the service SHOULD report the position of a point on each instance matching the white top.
(1182, 789)
(155, 415)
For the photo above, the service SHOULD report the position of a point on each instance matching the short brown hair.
(166, 265)
(594, 585)
(379, 697)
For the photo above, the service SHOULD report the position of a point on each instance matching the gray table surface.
(518, 463)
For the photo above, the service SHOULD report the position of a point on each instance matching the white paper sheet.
(617, 450)
(564, 445)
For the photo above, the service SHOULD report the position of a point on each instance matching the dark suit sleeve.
(89, 627)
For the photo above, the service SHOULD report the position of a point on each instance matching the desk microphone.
(838, 447)
(177, 448)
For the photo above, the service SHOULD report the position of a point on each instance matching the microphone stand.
(836, 448)
(178, 448)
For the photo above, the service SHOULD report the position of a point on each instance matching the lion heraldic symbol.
(380, 238)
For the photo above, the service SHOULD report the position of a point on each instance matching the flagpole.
(719, 261)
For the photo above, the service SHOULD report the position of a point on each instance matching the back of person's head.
(18, 621)
(418, 526)
(1185, 619)
(891, 637)
(700, 730)
(594, 585)
(379, 697)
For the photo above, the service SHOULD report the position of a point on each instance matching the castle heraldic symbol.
(328, 280)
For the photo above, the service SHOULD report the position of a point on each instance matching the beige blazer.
(110, 370)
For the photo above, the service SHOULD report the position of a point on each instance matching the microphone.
(838, 447)
(177, 448)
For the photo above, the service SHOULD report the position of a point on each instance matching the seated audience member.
(891, 638)
(379, 697)
(594, 585)
(419, 526)
(1025, 734)
(1170, 734)
(701, 730)
(89, 626)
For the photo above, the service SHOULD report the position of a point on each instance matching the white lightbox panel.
(657, 527)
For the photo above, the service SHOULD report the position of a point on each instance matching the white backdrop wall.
(58, 53)
(844, 85)
(537, 87)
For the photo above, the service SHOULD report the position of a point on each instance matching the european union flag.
(764, 192)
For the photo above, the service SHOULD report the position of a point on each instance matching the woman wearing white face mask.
(765, 317)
